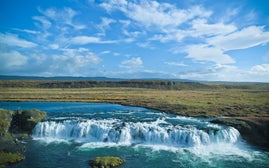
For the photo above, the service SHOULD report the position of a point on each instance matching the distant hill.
(88, 82)
(6, 77)
(75, 78)
(83, 82)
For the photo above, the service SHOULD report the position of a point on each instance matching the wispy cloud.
(262, 70)
(105, 24)
(27, 31)
(200, 27)
(12, 60)
(162, 19)
(207, 53)
(132, 63)
(178, 64)
(45, 23)
(64, 16)
(130, 35)
(245, 38)
(105, 52)
(169, 23)
(68, 62)
(154, 14)
(75, 61)
(82, 40)
(14, 40)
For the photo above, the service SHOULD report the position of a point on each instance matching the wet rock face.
(106, 162)
(15, 127)
(254, 130)
(25, 121)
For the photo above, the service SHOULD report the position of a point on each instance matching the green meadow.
(183, 98)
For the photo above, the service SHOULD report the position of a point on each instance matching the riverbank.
(15, 129)
(249, 104)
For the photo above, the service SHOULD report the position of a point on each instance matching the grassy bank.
(199, 103)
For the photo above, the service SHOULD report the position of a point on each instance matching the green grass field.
(199, 103)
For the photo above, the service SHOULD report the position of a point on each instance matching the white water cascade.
(159, 132)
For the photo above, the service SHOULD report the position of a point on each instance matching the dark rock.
(25, 121)
(15, 127)
(254, 130)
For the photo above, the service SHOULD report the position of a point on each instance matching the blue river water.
(73, 133)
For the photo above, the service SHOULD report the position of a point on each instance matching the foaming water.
(158, 132)
(75, 132)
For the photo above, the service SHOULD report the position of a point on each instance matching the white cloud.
(206, 53)
(82, 40)
(110, 5)
(132, 63)
(66, 15)
(46, 24)
(105, 24)
(75, 62)
(12, 59)
(155, 14)
(220, 72)
(178, 64)
(82, 55)
(173, 35)
(27, 31)
(54, 46)
(214, 72)
(262, 69)
(105, 52)
(230, 14)
(215, 47)
(201, 27)
(60, 17)
(14, 40)
(245, 38)
(146, 45)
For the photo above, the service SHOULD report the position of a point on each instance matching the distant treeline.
(151, 84)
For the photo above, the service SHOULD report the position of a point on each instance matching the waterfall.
(159, 132)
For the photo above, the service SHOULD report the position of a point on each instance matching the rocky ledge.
(253, 129)
(15, 129)
(106, 162)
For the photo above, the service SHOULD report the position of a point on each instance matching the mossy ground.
(106, 162)
(10, 158)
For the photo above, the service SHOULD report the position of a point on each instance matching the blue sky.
(223, 40)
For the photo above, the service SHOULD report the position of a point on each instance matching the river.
(73, 133)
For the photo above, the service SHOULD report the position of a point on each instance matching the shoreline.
(248, 106)
(253, 129)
